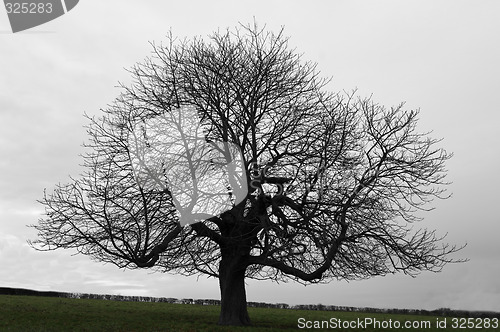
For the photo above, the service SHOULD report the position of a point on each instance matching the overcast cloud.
(439, 56)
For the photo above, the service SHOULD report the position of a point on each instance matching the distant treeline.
(438, 312)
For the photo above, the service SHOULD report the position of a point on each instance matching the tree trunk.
(232, 288)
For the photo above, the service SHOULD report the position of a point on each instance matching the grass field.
(33, 313)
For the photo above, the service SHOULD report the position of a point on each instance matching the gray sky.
(439, 56)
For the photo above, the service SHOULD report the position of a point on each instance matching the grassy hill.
(40, 313)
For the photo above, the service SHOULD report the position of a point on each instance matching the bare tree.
(333, 182)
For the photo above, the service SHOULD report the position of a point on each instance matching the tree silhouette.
(333, 182)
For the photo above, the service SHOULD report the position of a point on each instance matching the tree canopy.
(334, 182)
